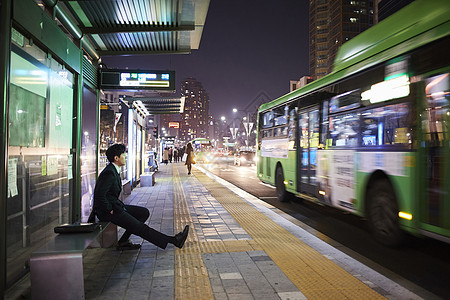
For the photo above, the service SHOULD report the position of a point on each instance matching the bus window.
(345, 101)
(314, 125)
(344, 130)
(303, 124)
(435, 120)
(386, 125)
(267, 119)
(267, 133)
(280, 115)
(291, 130)
(314, 129)
(323, 134)
(434, 125)
(280, 131)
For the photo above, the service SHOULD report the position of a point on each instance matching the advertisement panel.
(336, 177)
(278, 148)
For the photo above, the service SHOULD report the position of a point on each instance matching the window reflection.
(344, 130)
(386, 125)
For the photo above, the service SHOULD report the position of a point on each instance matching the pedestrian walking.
(190, 158)
(175, 154)
(166, 156)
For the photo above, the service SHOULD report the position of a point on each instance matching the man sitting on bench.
(108, 207)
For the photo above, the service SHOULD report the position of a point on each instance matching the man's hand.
(111, 212)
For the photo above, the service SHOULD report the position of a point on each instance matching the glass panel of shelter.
(39, 151)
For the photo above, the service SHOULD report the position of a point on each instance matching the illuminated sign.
(386, 90)
(138, 80)
(396, 68)
(174, 125)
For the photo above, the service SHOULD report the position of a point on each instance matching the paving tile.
(292, 296)
(220, 296)
(240, 297)
(237, 289)
(163, 273)
(230, 276)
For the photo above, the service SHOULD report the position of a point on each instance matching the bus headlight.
(405, 215)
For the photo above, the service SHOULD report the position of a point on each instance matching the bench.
(56, 268)
(126, 189)
(148, 179)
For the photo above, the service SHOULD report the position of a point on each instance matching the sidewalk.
(238, 248)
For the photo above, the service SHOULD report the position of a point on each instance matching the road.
(422, 265)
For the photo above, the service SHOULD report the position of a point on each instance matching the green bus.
(372, 137)
(202, 147)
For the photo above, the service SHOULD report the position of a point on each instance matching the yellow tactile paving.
(316, 276)
(191, 275)
(229, 246)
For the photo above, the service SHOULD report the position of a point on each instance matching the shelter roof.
(127, 27)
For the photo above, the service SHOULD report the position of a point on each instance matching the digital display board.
(138, 80)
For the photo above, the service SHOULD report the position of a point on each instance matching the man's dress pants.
(132, 219)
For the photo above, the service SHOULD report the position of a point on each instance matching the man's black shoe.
(181, 237)
(127, 246)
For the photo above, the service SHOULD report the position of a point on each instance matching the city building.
(332, 23)
(294, 85)
(194, 119)
(213, 129)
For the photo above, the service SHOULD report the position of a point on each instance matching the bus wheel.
(382, 213)
(282, 194)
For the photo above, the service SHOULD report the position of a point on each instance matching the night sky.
(247, 47)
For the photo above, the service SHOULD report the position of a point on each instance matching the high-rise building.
(332, 23)
(194, 119)
(385, 8)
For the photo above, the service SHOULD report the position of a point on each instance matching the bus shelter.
(50, 58)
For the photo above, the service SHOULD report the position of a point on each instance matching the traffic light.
(155, 131)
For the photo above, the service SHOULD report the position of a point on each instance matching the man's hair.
(115, 150)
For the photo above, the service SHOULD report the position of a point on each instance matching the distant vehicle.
(221, 153)
(245, 158)
(202, 147)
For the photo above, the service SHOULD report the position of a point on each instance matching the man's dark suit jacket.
(107, 191)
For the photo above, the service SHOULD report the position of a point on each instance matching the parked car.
(245, 158)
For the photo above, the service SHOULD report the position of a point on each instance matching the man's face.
(121, 160)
